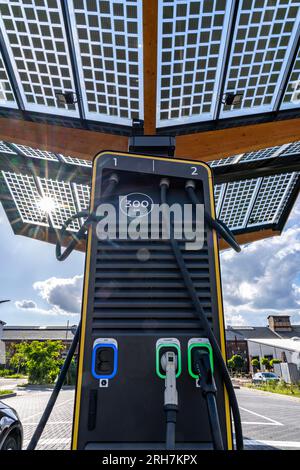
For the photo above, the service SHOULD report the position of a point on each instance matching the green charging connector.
(198, 343)
(164, 345)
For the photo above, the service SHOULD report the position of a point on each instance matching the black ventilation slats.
(149, 284)
(154, 324)
(142, 294)
(138, 285)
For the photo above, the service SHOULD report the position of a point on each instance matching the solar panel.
(191, 45)
(35, 153)
(76, 161)
(242, 204)
(224, 161)
(291, 98)
(292, 149)
(271, 198)
(7, 98)
(26, 197)
(37, 45)
(269, 152)
(60, 193)
(205, 49)
(237, 202)
(263, 44)
(219, 190)
(5, 148)
(108, 41)
(82, 194)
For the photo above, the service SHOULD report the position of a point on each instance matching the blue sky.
(263, 279)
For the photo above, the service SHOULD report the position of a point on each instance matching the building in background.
(12, 335)
(278, 340)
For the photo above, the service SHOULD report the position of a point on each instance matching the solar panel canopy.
(205, 50)
(48, 200)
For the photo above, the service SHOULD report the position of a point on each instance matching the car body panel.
(9, 423)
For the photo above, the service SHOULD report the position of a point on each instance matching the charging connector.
(164, 345)
(201, 365)
(169, 365)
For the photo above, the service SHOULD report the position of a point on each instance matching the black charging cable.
(164, 185)
(215, 224)
(53, 397)
(80, 234)
(201, 364)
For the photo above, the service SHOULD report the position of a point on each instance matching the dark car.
(11, 430)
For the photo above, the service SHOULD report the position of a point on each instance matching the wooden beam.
(203, 146)
(74, 142)
(251, 237)
(217, 144)
(150, 12)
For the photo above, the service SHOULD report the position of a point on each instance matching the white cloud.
(31, 307)
(264, 278)
(26, 304)
(63, 295)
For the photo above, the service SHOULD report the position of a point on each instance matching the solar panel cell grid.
(291, 98)
(60, 193)
(7, 98)
(263, 44)
(35, 153)
(261, 154)
(26, 197)
(5, 148)
(76, 161)
(82, 192)
(292, 149)
(271, 198)
(37, 45)
(191, 44)
(108, 40)
(237, 202)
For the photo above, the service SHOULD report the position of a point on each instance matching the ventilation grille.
(138, 285)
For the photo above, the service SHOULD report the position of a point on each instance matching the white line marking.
(294, 444)
(262, 416)
(49, 441)
(260, 423)
(153, 165)
(41, 412)
(49, 422)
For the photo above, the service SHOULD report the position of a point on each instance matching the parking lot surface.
(269, 421)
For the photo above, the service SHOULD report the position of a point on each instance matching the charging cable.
(201, 316)
(215, 224)
(169, 365)
(202, 366)
(90, 218)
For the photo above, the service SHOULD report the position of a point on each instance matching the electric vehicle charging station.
(138, 321)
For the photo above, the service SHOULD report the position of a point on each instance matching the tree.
(41, 360)
(255, 363)
(274, 361)
(265, 362)
(236, 363)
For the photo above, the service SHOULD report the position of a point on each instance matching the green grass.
(5, 392)
(280, 387)
(16, 376)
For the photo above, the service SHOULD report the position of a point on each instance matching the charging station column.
(139, 331)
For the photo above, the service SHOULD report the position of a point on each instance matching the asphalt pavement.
(269, 421)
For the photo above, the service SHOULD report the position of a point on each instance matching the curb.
(43, 387)
(279, 395)
(8, 395)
